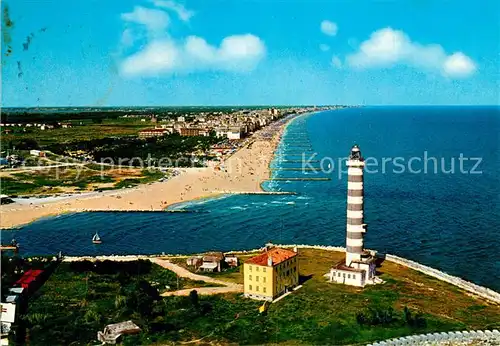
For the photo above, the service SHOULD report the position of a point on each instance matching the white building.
(37, 153)
(358, 269)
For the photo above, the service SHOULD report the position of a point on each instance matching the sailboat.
(96, 239)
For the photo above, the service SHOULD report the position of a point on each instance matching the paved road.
(229, 287)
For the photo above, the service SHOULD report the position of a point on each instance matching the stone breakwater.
(470, 287)
(473, 337)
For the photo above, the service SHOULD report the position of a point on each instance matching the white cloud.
(183, 13)
(324, 47)
(336, 62)
(154, 20)
(388, 47)
(459, 65)
(235, 53)
(128, 38)
(329, 28)
(158, 56)
(161, 54)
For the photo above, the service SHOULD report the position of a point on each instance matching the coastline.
(243, 172)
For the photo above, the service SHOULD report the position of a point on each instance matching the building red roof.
(278, 255)
(29, 277)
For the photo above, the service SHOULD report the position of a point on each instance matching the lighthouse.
(358, 268)
(355, 221)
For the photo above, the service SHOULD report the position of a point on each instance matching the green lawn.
(318, 313)
(88, 131)
(52, 180)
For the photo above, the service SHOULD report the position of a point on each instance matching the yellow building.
(270, 274)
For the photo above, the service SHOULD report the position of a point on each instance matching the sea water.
(446, 218)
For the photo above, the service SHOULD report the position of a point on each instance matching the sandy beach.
(244, 171)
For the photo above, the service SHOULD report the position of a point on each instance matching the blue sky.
(214, 52)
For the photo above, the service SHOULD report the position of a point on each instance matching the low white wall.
(466, 285)
(446, 338)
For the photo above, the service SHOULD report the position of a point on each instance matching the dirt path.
(203, 290)
(229, 287)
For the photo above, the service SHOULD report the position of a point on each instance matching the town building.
(270, 274)
(194, 131)
(358, 269)
(149, 133)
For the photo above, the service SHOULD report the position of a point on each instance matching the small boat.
(96, 239)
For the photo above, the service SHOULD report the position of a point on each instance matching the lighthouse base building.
(358, 273)
(358, 268)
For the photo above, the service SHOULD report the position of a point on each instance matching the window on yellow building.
(339, 274)
(257, 288)
(348, 276)
(264, 289)
(250, 287)
(264, 269)
(256, 278)
(250, 277)
(256, 268)
(264, 279)
(250, 268)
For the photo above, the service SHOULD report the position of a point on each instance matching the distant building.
(37, 153)
(194, 261)
(271, 274)
(148, 133)
(189, 131)
(231, 260)
(212, 262)
(230, 132)
(358, 269)
(273, 111)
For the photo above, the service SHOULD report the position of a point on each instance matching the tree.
(193, 296)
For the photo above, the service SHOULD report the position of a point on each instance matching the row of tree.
(387, 316)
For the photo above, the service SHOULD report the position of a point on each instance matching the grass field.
(87, 131)
(91, 177)
(318, 313)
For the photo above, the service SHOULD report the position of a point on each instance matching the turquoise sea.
(448, 219)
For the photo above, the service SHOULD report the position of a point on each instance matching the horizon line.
(259, 105)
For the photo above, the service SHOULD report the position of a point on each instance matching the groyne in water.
(470, 287)
(258, 192)
(298, 161)
(299, 179)
(297, 169)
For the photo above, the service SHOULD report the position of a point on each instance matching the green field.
(87, 131)
(92, 177)
(318, 313)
